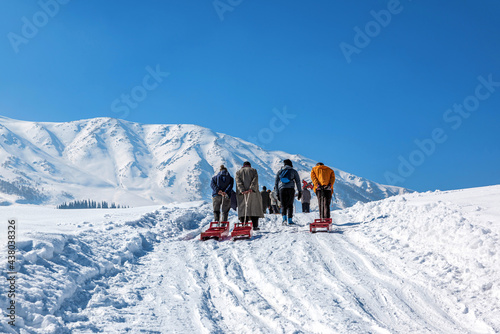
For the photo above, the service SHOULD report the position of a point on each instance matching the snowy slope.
(414, 263)
(136, 164)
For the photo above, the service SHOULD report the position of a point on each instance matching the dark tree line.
(89, 204)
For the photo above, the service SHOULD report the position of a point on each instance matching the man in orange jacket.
(323, 178)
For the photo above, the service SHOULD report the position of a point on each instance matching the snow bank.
(59, 272)
(448, 241)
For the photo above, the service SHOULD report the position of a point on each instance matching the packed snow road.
(422, 263)
(285, 280)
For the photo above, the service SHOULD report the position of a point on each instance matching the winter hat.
(320, 164)
(247, 163)
(288, 162)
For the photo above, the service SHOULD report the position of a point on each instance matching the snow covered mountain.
(136, 164)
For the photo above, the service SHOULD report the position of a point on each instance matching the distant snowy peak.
(138, 164)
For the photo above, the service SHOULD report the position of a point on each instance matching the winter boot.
(255, 223)
(290, 222)
(284, 220)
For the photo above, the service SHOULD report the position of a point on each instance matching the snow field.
(419, 263)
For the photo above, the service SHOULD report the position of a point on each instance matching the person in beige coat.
(248, 195)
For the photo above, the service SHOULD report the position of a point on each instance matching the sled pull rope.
(246, 204)
(219, 224)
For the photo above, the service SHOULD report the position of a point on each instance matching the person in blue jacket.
(286, 180)
(222, 189)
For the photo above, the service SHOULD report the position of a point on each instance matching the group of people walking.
(270, 201)
(252, 204)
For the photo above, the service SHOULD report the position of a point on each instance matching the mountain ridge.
(140, 164)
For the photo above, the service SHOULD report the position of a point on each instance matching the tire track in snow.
(188, 303)
(238, 297)
(243, 293)
(385, 297)
(286, 279)
(318, 264)
(218, 296)
(245, 302)
(317, 287)
(274, 301)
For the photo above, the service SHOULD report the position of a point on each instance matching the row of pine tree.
(90, 204)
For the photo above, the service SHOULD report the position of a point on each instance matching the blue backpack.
(286, 175)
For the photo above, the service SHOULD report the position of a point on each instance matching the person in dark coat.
(265, 199)
(271, 209)
(286, 180)
(248, 196)
(222, 189)
(306, 200)
(274, 201)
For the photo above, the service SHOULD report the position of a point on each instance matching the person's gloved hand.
(300, 195)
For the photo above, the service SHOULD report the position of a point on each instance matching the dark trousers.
(305, 207)
(255, 221)
(287, 195)
(324, 200)
(219, 204)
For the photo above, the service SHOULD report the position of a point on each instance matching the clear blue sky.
(359, 101)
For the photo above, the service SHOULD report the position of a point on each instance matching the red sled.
(307, 185)
(216, 231)
(242, 231)
(321, 223)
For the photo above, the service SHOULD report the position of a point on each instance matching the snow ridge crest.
(139, 164)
